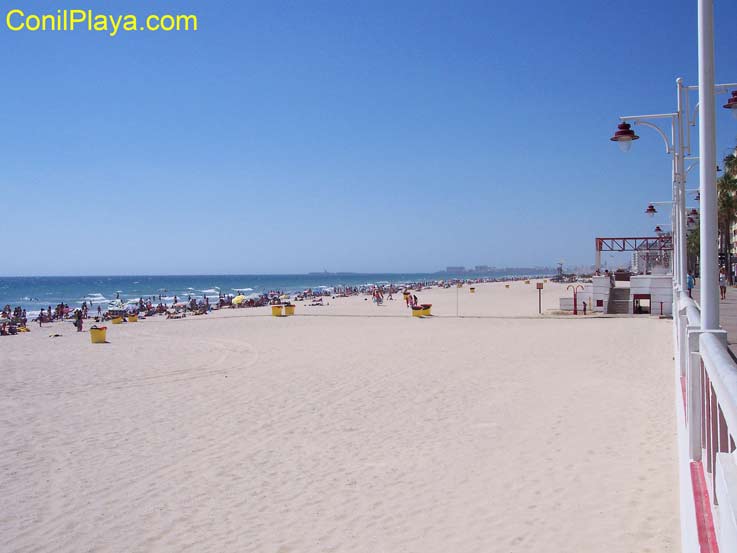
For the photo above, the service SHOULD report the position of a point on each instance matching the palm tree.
(692, 250)
(730, 165)
(727, 205)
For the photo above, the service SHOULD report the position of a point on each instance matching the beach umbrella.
(239, 300)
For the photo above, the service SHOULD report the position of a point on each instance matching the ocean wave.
(245, 289)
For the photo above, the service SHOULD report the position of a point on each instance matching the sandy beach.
(348, 427)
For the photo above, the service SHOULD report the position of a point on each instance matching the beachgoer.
(690, 282)
(723, 283)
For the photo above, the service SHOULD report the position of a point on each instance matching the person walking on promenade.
(690, 283)
(723, 283)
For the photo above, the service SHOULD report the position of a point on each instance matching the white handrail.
(692, 309)
(722, 371)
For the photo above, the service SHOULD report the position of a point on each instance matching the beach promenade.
(356, 428)
(727, 312)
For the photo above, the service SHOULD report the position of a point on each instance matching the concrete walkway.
(727, 312)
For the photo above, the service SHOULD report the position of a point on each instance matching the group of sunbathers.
(14, 320)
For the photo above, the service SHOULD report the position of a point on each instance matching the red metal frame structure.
(656, 244)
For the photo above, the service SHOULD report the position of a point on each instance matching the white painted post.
(681, 320)
(707, 170)
(694, 396)
(680, 219)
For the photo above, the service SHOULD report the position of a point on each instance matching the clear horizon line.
(310, 273)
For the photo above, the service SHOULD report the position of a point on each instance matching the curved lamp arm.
(668, 147)
(718, 89)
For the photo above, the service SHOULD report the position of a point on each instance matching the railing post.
(683, 343)
(694, 395)
(695, 409)
(711, 412)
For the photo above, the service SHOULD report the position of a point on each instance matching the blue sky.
(374, 136)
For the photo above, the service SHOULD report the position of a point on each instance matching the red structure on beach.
(654, 244)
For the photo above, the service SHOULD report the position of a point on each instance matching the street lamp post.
(674, 145)
(709, 259)
(678, 145)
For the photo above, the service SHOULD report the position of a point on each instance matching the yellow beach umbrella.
(239, 300)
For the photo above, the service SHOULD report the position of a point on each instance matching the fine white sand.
(356, 429)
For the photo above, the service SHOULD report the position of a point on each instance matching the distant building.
(455, 269)
(482, 268)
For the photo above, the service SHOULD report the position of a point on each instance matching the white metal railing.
(709, 380)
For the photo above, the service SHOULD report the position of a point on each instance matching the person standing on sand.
(690, 282)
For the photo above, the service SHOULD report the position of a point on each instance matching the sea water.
(36, 293)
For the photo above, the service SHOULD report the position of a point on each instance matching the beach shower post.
(575, 296)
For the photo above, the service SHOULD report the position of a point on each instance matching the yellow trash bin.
(132, 318)
(527, 282)
(506, 285)
(276, 310)
(417, 311)
(473, 290)
(289, 310)
(98, 334)
(117, 320)
(426, 307)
